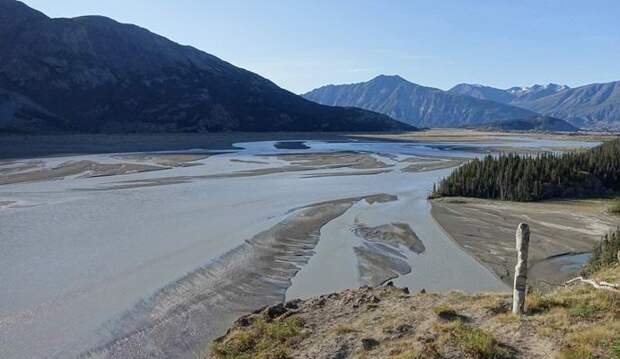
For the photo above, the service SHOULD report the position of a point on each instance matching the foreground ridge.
(576, 320)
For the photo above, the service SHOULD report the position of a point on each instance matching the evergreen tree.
(595, 172)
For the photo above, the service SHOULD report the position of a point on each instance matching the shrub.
(605, 253)
(477, 343)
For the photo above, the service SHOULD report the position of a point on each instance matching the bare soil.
(486, 230)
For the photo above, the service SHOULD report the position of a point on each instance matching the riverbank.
(563, 232)
(16, 146)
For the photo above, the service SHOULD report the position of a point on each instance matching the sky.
(304, 44)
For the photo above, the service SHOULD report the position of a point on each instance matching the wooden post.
(518, 296)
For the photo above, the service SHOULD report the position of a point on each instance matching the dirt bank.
(486, 230)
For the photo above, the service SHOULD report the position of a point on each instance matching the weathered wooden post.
(518, 296)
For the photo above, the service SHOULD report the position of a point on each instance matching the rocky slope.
(513, 95)
(388, 322)
(415, 104)
(595, 106)
(592, 106)
(94, 74)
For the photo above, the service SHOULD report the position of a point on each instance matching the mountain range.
(513, 95)
(415, 104)
(93, 74)
(595, 106)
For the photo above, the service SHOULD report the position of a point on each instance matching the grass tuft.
(263, 340)
(344, 329)
(584, 310)
(615, 348)
(537, 302)
(475, 342)
(445, 311)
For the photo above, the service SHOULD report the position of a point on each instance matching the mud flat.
(562, 233)
(179, 319)
(434, 165)
(481, 136)
(379, 256)
(165, 159)
(366, 163)
(351, 159)
(36, 172)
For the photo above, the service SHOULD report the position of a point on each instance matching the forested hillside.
(595, 172)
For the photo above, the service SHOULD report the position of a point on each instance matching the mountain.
(532, 93)
(511, 96)
(537, 123)
(483, 92)
(594, 106)
(93, 74)
(415, 104)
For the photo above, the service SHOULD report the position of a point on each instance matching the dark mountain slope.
(415, 104)
(99, 75)
(538, 123)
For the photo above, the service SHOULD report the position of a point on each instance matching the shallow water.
(75, 256)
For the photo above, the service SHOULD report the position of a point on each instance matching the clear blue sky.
(301, 45)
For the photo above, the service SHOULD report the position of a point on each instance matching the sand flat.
(486, 229)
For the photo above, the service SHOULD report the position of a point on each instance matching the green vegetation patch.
(511, 177)
(605, 253)
(262, 340)
(475, 342)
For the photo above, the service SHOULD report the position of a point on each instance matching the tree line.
(595, 172)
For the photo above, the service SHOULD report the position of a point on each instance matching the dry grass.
(584, 321)
(262, 340)
(573, 322)
(444, 310)
(344, 329)
(614, 207)
(474, 342)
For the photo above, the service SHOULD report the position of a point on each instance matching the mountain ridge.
(98, 75)
(595, 106)
(415, 104)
